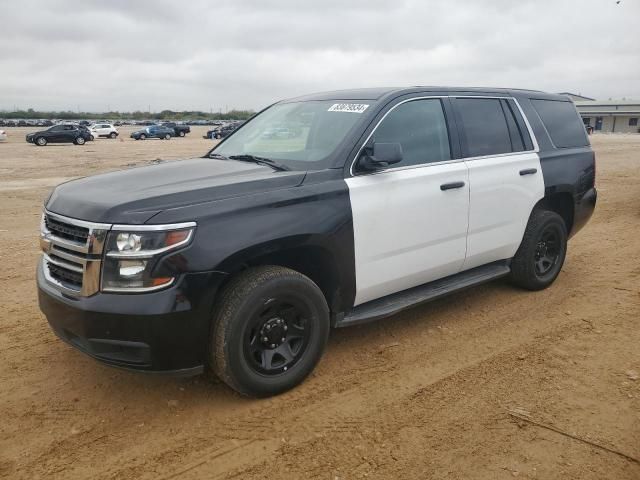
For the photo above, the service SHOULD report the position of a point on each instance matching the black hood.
(135, 195)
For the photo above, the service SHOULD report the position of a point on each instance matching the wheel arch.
(313, 260)
(561, 203)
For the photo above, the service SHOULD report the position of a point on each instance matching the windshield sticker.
(348, 107)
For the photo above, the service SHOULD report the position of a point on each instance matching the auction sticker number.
(348, 107)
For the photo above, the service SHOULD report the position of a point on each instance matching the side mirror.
(382, 155)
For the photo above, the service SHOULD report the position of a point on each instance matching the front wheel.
(113, 135)
(142, 136)
(270, 328)
(541, 255)
(41, 141)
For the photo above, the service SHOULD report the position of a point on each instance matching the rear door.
(410, 219)
(504, 174)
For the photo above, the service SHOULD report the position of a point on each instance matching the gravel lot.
(425, 394)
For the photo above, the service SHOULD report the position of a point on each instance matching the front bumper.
(159, 332)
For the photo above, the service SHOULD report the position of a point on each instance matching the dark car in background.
(179, 129)
(60, 134)
(153, 131)
(222, 132)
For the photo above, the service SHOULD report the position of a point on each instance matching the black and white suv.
(379, 199)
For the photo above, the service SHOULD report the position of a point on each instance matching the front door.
(410, 219)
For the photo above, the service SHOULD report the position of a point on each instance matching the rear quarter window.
(562, 122)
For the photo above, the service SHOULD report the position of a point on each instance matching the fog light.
(128, 242)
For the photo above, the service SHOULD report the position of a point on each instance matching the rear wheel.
(541, 255)
(41, 141)
(269, 330)
(167, 136)
(79, 141)
(181, 134)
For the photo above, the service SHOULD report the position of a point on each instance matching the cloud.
(246, 54)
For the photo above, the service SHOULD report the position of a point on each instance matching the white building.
(611, 116)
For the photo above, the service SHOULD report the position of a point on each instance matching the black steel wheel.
(277, 335)
(541, 254)
(548, 250)
(269, 329)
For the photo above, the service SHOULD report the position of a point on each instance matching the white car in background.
(3, 135)
(106, 130)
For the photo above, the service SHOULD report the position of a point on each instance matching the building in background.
(610, 116)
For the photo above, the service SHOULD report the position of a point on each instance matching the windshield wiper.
(259, 160)
(217, 155)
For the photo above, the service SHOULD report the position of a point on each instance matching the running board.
(392, 304)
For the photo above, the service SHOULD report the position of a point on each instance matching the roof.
(575, 96)
(380, 92)
(609, 107)
(607, 103)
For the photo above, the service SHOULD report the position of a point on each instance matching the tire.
(113, 135)
(79, 141)
(142, 136)
(92, 138)
(263, 305)
(541, 254)
(167, 137)
(40, 141)
(181, 134)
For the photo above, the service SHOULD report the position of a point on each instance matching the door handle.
(528, 171)
(451, 186)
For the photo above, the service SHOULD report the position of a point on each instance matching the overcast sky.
(200, 54)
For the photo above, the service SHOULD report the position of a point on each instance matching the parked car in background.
(88, 134)
(221, 132)
(60, 134)
(154, 131)
(3, 135)
(180, 129)
(105, 130)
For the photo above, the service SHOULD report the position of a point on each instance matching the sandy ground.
(425, 394)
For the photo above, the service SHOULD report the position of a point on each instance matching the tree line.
(137, 115)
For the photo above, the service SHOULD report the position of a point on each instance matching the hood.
(135, 195)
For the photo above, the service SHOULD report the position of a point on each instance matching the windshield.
(299, 135)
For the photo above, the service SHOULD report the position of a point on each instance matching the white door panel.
(407, 231)
(501, 201)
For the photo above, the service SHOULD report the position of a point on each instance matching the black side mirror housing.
(380, 155)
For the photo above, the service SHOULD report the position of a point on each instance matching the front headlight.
(132, 252)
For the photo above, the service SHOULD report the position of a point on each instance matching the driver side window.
(419, 126)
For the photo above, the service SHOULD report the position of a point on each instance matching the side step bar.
(392, 304)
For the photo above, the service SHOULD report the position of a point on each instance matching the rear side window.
(485, 126)
(420, 127)
(562, 122)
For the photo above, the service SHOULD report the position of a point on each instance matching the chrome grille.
(72, 253)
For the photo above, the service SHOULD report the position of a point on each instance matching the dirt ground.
(425, 394)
